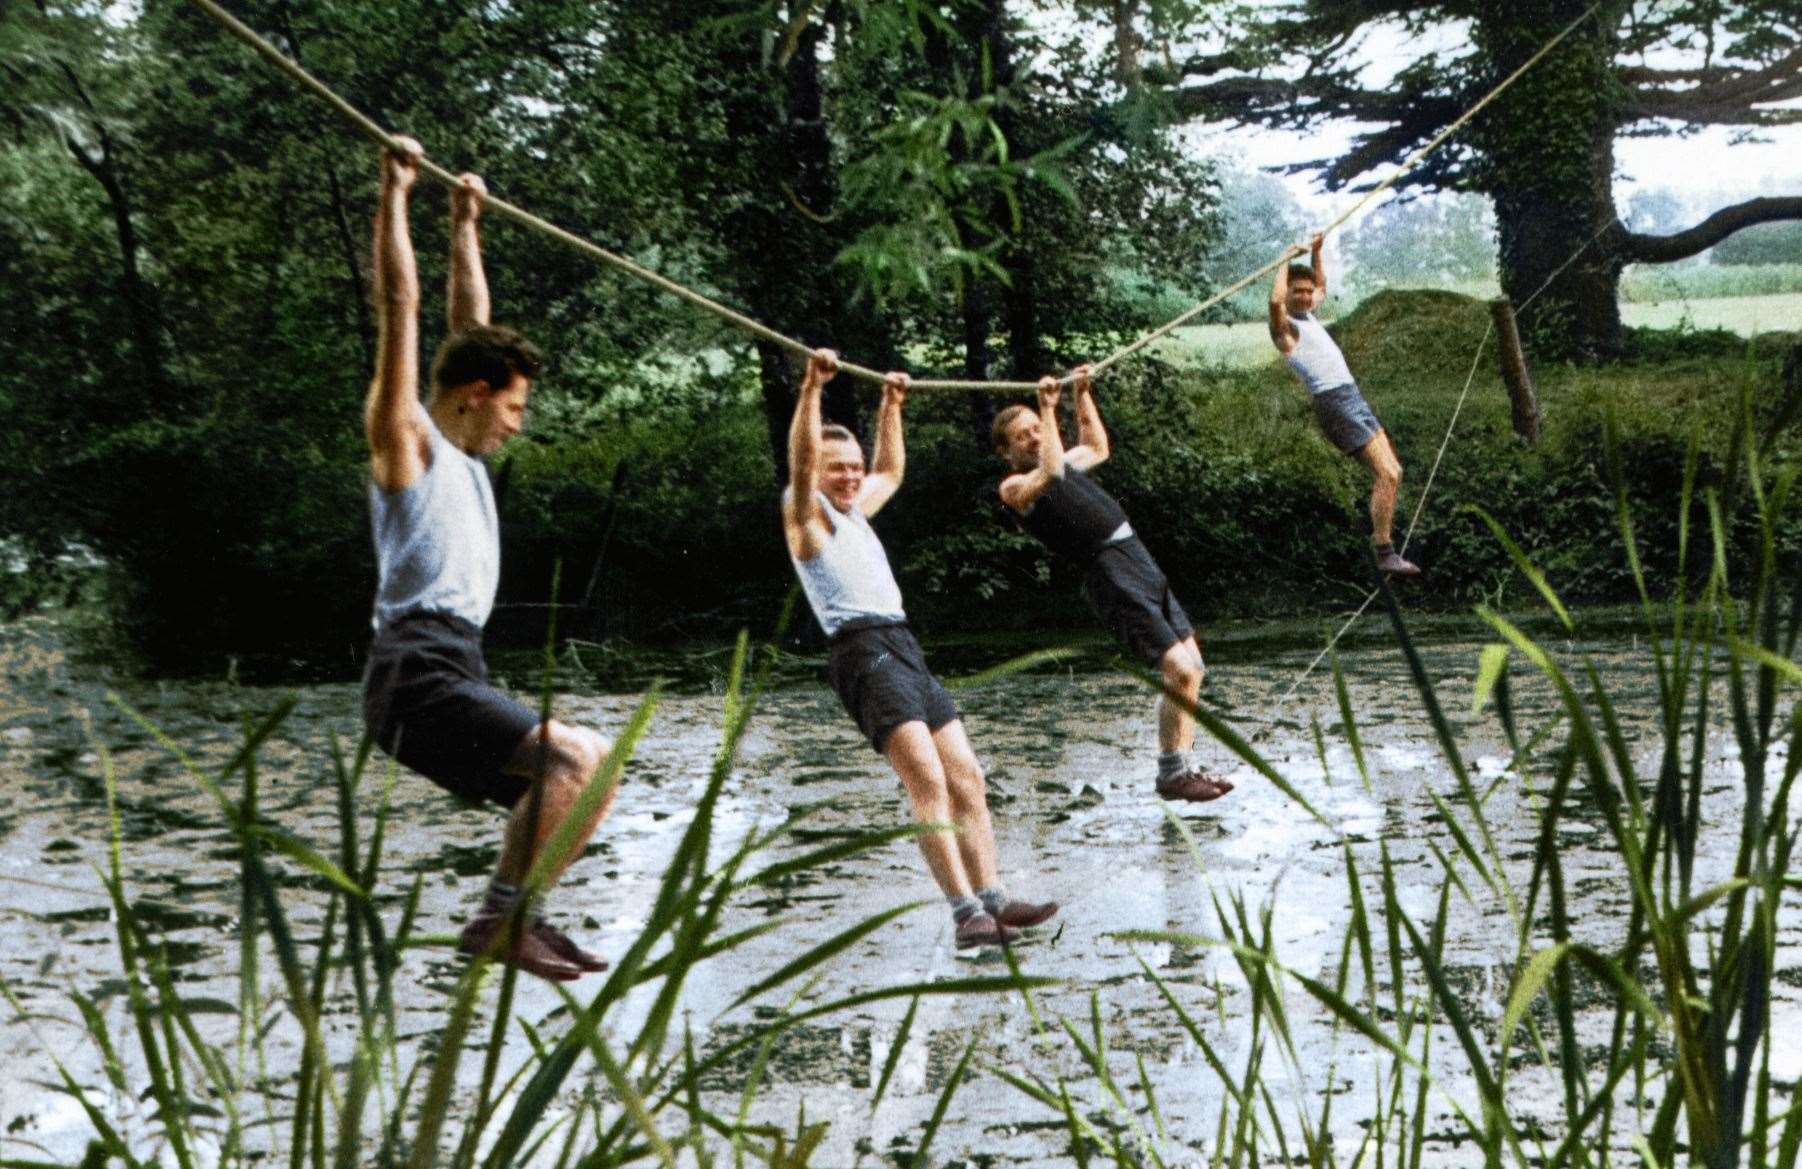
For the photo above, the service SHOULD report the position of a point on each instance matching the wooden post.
(1514, 371)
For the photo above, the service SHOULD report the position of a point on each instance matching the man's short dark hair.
(833, 432)
(1003, 420)
(1302, 272)
(485, 353)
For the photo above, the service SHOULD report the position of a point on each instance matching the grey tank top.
(1316, 358)
(438, 542)
(850, 578)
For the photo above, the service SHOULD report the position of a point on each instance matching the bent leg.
(1378, 455)
(1182, 671)
(563, 761)
(969, 804)
(914, 756)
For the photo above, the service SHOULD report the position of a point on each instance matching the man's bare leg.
(1182, 671)
(1385, 482)
(976, 830)
(915, 758)
(561, 761)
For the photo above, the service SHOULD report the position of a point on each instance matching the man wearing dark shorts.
(1056, 500)
(426, 695)
(1339, 406)
(876, 667)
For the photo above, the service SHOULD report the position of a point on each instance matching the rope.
(373, 131)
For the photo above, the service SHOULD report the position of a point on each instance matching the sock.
(502, 897)
(1172, 764)
(964, 908)
(993, 899)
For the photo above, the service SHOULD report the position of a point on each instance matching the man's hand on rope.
(466, 198)
(894, 389)
(1049, 392)
(400, 167)
(822, 366)
(1082, 379)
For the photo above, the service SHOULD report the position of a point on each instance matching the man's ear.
(480, 391)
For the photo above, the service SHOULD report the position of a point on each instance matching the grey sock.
(1172, 764)
(964, 908)
(502, 897)
(993, 899)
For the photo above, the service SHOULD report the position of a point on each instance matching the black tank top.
(1074, 516)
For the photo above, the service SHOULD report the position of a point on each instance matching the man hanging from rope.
(876, 666)
(426, 694)
(1055, 499)
(1344, 416)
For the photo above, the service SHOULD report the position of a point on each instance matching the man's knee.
(564, 754)
(1182, 668)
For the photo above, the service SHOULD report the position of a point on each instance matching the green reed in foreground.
(372, 1100)
(1686, 984)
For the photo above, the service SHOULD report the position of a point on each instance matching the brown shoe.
(1196, 786)
(485, 935)
(560, 944)
(1022, 915)
(979, 929)
(1393, 563)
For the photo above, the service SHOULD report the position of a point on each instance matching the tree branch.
(1662, 249)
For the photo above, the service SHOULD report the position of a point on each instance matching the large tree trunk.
(1552, 178)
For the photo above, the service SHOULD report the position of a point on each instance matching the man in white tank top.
(876, 666)
(1339, 406)
(426, 692)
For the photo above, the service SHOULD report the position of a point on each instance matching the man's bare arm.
(1315, 244)
(1020, 491)
(467, 303)
(392, 415)
(1092, 448)
(890, 465)
(802, 522)
(1282, 333)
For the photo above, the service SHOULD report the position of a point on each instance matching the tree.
(1543, 153)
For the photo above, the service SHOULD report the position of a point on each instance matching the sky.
(1708, 169)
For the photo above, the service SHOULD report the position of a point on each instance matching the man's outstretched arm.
(1091, 447)
(1316, 243)
(467, 303)
(1019, 491)
(801, 518)
(1282, 333)
(884, 479)
(392, 415)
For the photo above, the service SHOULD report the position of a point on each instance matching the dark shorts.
(428, 704)
(1346, 418)
(1132, 596)
(879, 672)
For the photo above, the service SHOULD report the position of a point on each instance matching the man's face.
(1022, 453)
(841, 472)
(1301, 294)
(501, 413)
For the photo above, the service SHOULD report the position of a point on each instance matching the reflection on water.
(1070, 758)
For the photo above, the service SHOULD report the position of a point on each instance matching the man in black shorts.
(426, 695)
(1055, 499)
(876, 667)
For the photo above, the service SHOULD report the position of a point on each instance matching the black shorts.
(1131, 595)
(428, 704)
(879, 672)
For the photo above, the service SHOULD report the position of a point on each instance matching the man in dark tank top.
(1055, 499)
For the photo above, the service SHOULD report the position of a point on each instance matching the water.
(1069, 757)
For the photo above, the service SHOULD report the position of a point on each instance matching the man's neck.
(453, 421)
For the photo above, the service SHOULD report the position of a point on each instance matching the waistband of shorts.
(1341, 388)
(857, 625)
(433, 621)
